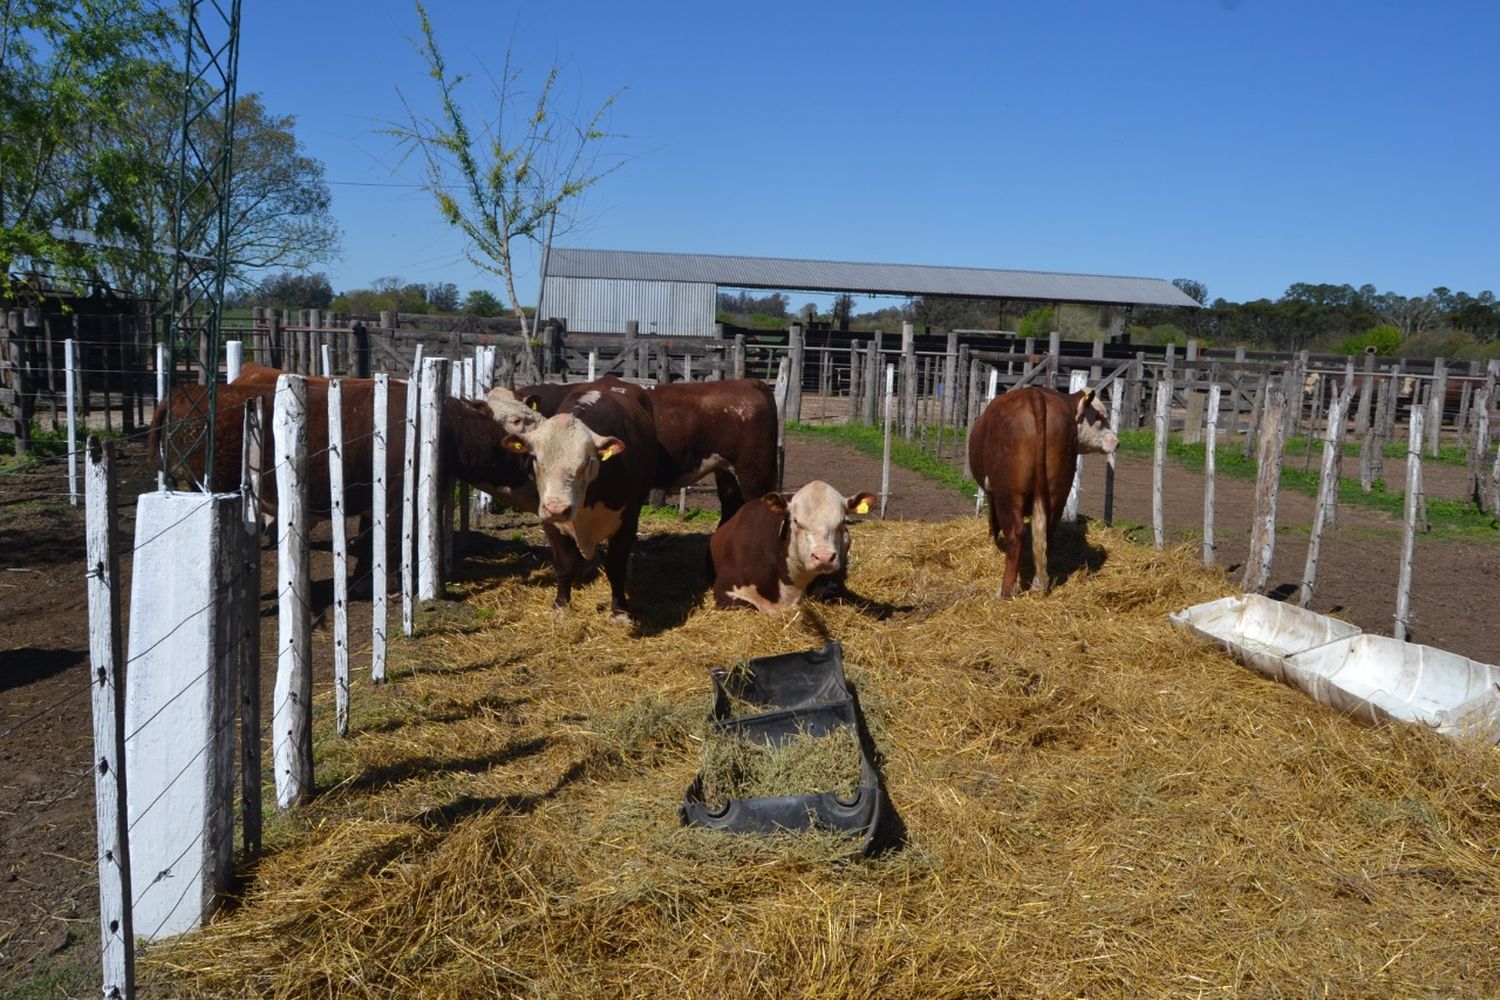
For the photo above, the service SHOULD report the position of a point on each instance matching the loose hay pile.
(739, 768)
(1095, 805)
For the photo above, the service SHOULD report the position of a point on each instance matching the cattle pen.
(558, 754)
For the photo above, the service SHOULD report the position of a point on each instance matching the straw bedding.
(1094, 804)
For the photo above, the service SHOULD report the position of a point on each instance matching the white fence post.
(885, 458)
(783, 383)
(1409, 529)
(291, 707)
(340, 555)
(1077, 379)
(429, 495)
(234, 358)
(161, 372)
(409, 499)
(106, 656)
(326, 359)
(70, 376)
(379, 575)
(1116, 390)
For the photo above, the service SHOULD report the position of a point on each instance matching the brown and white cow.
(727, 428)
(593, 462)
(470, 443)
(1023, 450)
(771, 551)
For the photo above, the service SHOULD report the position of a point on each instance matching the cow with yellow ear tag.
(593, 462)
(769, 552)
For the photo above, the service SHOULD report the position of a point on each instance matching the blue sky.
(1247, 144)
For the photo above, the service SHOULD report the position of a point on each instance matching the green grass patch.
(907, 454)
(1455, 518)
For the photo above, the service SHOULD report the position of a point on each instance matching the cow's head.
(1094, 435)
(512, 414)
(565, 456)
(814, 521)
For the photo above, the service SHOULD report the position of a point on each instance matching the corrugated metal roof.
(875, 279)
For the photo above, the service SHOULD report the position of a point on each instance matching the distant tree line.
(293, 290)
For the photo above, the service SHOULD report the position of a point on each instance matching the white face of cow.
(566, 456)
(1094, 435)
(819, 533)
(512, 414)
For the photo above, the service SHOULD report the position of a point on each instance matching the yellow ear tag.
(863, 507)
(533, 405)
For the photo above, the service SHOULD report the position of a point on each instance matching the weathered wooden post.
(107, 658)
(854, 380)
(738, 364)
(274, 345)
(794, 385)
(1116, 395)
(1438, 396)
(1159, 460)
(1210, 457)
(291, 715)
(872, 379)
(1257, 410)
(908, 381)
(340, 555)
(1409, 528)
(950, 379)
(628, 356)
(1267, 484)
(1366, 393)
(1328, 486)
(70, 375)
(1096, 371)
(779, 393)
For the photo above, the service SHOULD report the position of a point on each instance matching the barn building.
(676, 294)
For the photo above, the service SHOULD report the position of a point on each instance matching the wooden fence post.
(106, 656)
(1328, 485)
(1366, 393)
(234, 359)
(340, 555)
(291, 714)
(1210, 457)
(737, 366)
(1077, 379)
(1116, 395)
(779, 393)
(628, 355)
(1159, 458)
(885, 461)
(1409, 527)
(1437, 393)
(909, 385)
(950, 378)
(1267, 483)
(794, 385)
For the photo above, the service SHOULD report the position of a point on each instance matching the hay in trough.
(1094, 804)
(739, 768)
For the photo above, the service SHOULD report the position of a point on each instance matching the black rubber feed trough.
(796, 694)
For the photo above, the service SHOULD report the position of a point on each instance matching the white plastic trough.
(1259, 632)
(1374, 678)
(1369, 677)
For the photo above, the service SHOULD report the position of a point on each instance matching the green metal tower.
(200, 229)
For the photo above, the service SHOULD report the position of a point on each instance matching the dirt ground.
(48, 893)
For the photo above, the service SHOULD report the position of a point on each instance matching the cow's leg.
(1012, 524)
(566, 560)
(617, 566)
(731, 498)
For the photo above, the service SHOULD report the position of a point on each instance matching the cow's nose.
(825, 558)
(556, 510)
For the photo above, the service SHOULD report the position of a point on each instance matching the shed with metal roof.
(677, 293)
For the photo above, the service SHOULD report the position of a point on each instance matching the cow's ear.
(609, 448)
(516, 444)
(775, 503)
(1085, 400)
(860, 503)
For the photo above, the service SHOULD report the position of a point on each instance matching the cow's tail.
(1040, 502)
